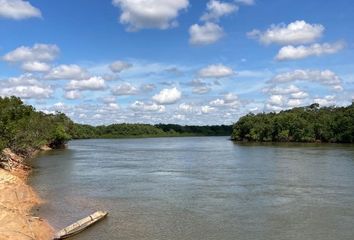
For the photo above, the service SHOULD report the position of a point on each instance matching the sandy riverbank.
(17, 199)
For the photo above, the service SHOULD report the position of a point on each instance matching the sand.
(17, 199)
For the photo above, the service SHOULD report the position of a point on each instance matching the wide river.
(200, 188)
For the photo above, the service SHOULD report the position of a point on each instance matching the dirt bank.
(17, 199)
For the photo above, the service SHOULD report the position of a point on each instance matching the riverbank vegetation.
(22, 128)
(303, 124)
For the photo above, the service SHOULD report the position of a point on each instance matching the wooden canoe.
(80, 225)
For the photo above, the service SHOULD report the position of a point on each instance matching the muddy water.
(200, 188)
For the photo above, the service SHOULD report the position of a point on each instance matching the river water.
(200, 188)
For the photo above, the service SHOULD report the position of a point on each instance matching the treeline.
(23, 128)
(146, 130)
(214, 130)
(303, 124)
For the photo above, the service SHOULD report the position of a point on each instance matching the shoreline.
(17, 200)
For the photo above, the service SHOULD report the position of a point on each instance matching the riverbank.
(17, 202)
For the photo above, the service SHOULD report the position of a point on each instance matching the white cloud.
(147, 87)
(217, 9)
(112, 106)
(140, 14)
(39, 52)
(298, 32)
(124, 89)
(282, 90)
(72, 95)
(216, 71)
(228, 100)
(206, 34)
(294, 102)
(93, 83)
(25, 86)
(34, 91)
(217, 102)
(18, 9)
(271, 107)
(299, 52)
(299, 95)
(167, 96)
(246, 2)
(277, 100)
(325, 77)
(150, 107)
(119, 66)
(201, 89)
(207, 109)
(326, 101)
(185, 107)
(109, 99)
(35, 66)
(67, 72)
(285, 97)
(179, 117)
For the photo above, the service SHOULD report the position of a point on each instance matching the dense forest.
(23, 128)
(303, 124)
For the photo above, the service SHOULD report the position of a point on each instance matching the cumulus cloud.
(298, 32)
(119, 66)
(217, 9)
(284, 97)
(299, 52)
(299, 95)
(199, 86)
(294, 102)
(216, 71)
(35, 66)
(111, 107)
(185, 107)
(150, 107)
(18, 9)
(168, 96)
(124, 89)
(207, 109)
(228, 100)
(277, 100)
(25, 86)
(33, 91)
(92, 83)
(37, 53)
(326, 101)
(325, 77)
(67, 72)
(140, 14)
(71, 95)
(206, 34)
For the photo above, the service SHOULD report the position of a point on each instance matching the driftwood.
(80, 225)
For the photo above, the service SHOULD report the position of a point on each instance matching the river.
(199, 188)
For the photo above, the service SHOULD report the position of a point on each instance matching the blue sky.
(176, 61)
